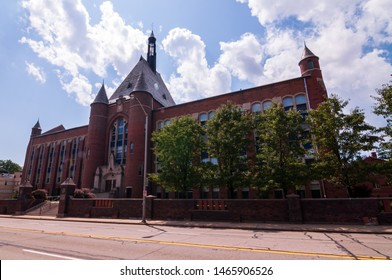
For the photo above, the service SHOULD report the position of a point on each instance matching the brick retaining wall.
(291, 210)
(339, 210)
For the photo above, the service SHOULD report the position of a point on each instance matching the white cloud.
(376, 20)
(348, 36)
(243, 58)
(77, 86)
(271, 11)
(36, 72)
(195, 78)
(66, 39)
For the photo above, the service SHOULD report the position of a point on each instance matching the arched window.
(267, 104)
(288, 103)
(211, 115)
(203, 119)
(310, 64)
(300, 102)
(256, 107)
(119, 140)
(160, 125)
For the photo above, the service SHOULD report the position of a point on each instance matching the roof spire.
(307, 53)
(37, 125)
(36, 130)
(101, 96)
(152, 52)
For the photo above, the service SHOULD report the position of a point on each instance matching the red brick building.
(107, 155)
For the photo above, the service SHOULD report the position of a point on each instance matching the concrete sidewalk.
(370, 229)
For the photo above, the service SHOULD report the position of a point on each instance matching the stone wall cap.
(68, 182)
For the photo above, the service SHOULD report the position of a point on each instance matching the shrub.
(83, 193)
(15, 195)
(40, 194)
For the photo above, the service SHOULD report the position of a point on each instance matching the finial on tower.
(152, 52)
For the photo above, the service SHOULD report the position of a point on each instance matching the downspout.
(306, 92)
(308, 100)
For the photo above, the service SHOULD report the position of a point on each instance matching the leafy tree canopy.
(339, 138)
(228, 140)
(10, 166)
(281, 137)
(178, 148)
(383, 108)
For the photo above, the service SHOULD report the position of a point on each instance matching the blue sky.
(55, 54)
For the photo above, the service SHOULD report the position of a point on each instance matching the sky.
(55, 54)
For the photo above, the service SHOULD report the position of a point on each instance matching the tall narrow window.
(30, 163)
(300, 102)
(152, 51)
(39, 165)
(49, 163)
(61, 162)
(118, 141)
(203, 119)
(73, 158)
(310, 64)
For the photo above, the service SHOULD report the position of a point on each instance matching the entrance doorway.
(110, 184)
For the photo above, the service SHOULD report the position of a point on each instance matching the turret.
(313, 79)
(309, 63)
(36, 130)
(152, 52)
(96, 137)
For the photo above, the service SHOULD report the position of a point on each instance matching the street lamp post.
(145, 159)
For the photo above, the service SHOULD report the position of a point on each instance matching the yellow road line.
(200, 245)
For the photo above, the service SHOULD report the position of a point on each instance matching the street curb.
(362, 229)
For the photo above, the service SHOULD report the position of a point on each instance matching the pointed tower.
(309, 63)
(313, 79)
(96, 138)
(36, 130)
(152, 52)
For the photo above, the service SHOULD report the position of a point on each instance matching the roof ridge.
(54, 129)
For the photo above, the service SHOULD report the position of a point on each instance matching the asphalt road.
(59, 240)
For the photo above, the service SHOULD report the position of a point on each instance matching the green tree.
(227, 141)
(178, 148)
(339, 139)
(10, 166)
(383, 108)
(280, 159)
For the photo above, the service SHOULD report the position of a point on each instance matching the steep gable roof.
(55, 129)
(142, 78)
